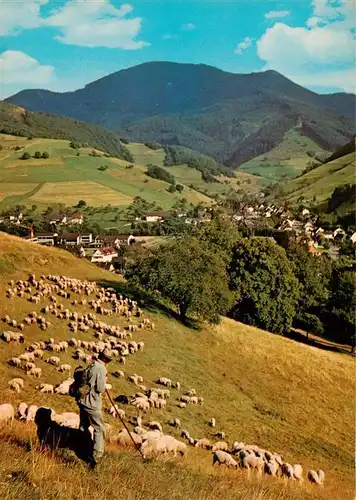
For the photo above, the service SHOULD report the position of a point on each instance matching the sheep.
(45, 388)
(38, 353)
(185, 399)
(200, 400)
(271, 468)
(35, 371)
(321, 475)
(13, 385)
(204, 443)
(313, 477)
(298, 472)
(154, 447)
(64, 368)
(15, 362)
(53, 360)
(150, 435)
(164, 381)
(6, 413)
(181, 404)
(220, 445)
(22, 410)
(115, 410)
(221, 457)
(63, 388)
(159, 403)
(154, 425)
(253, 462)
(119, 374)
(176, 385)
(124, 439)
(184, 434)
(31, 413)
(174, 445)
(141, 404)
(220, 435)
(27, 356)
(212, 422)
(287, 470)
(175, 423)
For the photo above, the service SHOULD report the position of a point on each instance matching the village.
(67, 230)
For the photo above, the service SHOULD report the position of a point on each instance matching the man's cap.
(105, 355)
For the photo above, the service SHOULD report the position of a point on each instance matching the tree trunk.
(182, 310)
(307, 336)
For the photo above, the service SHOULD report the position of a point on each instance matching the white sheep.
(223, 458)
(271, 468)
(22, 410)
(63, 387)
(220, 435)
(115, 411)
(15, 362)
(154, 425)
(14, 385)
(212, 422)
(31, 413)
(204, 443)
(64, 368)
(53, 360)
(45, 388)
(287, 470)
(141, 404)
(35, 371)
(124, 439)
(6, 413)
(220, 445)
(298, 472)
(251, 461)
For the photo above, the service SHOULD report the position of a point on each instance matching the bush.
(153, 145)
(129, 166)
(160, 173)
(172, 188)
(25, 156)
(102, 168)
(124, 140)
(179, 188)
(45, 154)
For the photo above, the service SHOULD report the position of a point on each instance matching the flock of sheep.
(148, 435)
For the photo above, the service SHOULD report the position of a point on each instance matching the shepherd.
(89, 384)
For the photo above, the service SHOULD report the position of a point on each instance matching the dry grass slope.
(261, 388)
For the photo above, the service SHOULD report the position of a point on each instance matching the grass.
(286, 160)
(261, 388)
(321, 182)
(67, 178)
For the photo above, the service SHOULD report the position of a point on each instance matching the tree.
(310, 323)
(171, 188)
(179, 188)
(342, 303)
(81, 204)
(220, 236)
(37, 154)
(102, 168)
(160, 173)
(266, 290)
(45, 154)
(313, 275)
(188, 274)
(25, 156)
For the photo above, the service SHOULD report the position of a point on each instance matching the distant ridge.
(232, 117)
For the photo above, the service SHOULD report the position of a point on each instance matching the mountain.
(20, 122)
(232, 117)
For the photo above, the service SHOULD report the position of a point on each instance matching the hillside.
(69, 175)
(292, 398)
(21, 122)
(231, 117)
(319, 184)
(285, 161)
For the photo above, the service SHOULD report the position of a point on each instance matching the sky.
(62, 45)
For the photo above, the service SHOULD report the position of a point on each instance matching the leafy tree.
(45, 154)
(81, 204)
(157, 172)
(266, 290)
(171, 188)
(153, 145)
(25, 156)
(342, 303)
(220, 236)
(102, 168)
(310, 323)
(37, 154)
(313, 275)
(179, 188)
(188, 274)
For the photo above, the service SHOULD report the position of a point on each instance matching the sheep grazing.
(184, 434)
(175, 423)
(141, 404)
(53, 360)
(253, 462)
(22, 410)
(154, 425)
(316, 477)
(35, 371)
(204, 443)
(220, 445)
(271, 468)
(64, 368)
(220, 435)
(31, 413)
(287, 470)
(15, 362)
(298, 472)
(7, 413)
(45, 388)
(116, 411)
(223, 458)
(16, 384)
(63, 388)
(164, 381)
(212, 422)
(123, 439)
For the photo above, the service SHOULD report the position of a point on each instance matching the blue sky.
(62, 45)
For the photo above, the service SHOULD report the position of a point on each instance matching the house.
(104, 255)
(57, 219)
(76, 218)
(48, 239)
(118, 240)
(155, 216)
(86, 239)
(70, 239)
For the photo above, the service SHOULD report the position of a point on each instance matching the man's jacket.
(96, 380)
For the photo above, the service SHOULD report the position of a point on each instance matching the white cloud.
(277, 14)
(243, 45)
(320, 54)
(16, 16)
(97, 24)
(19, 68)
(188, 27)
